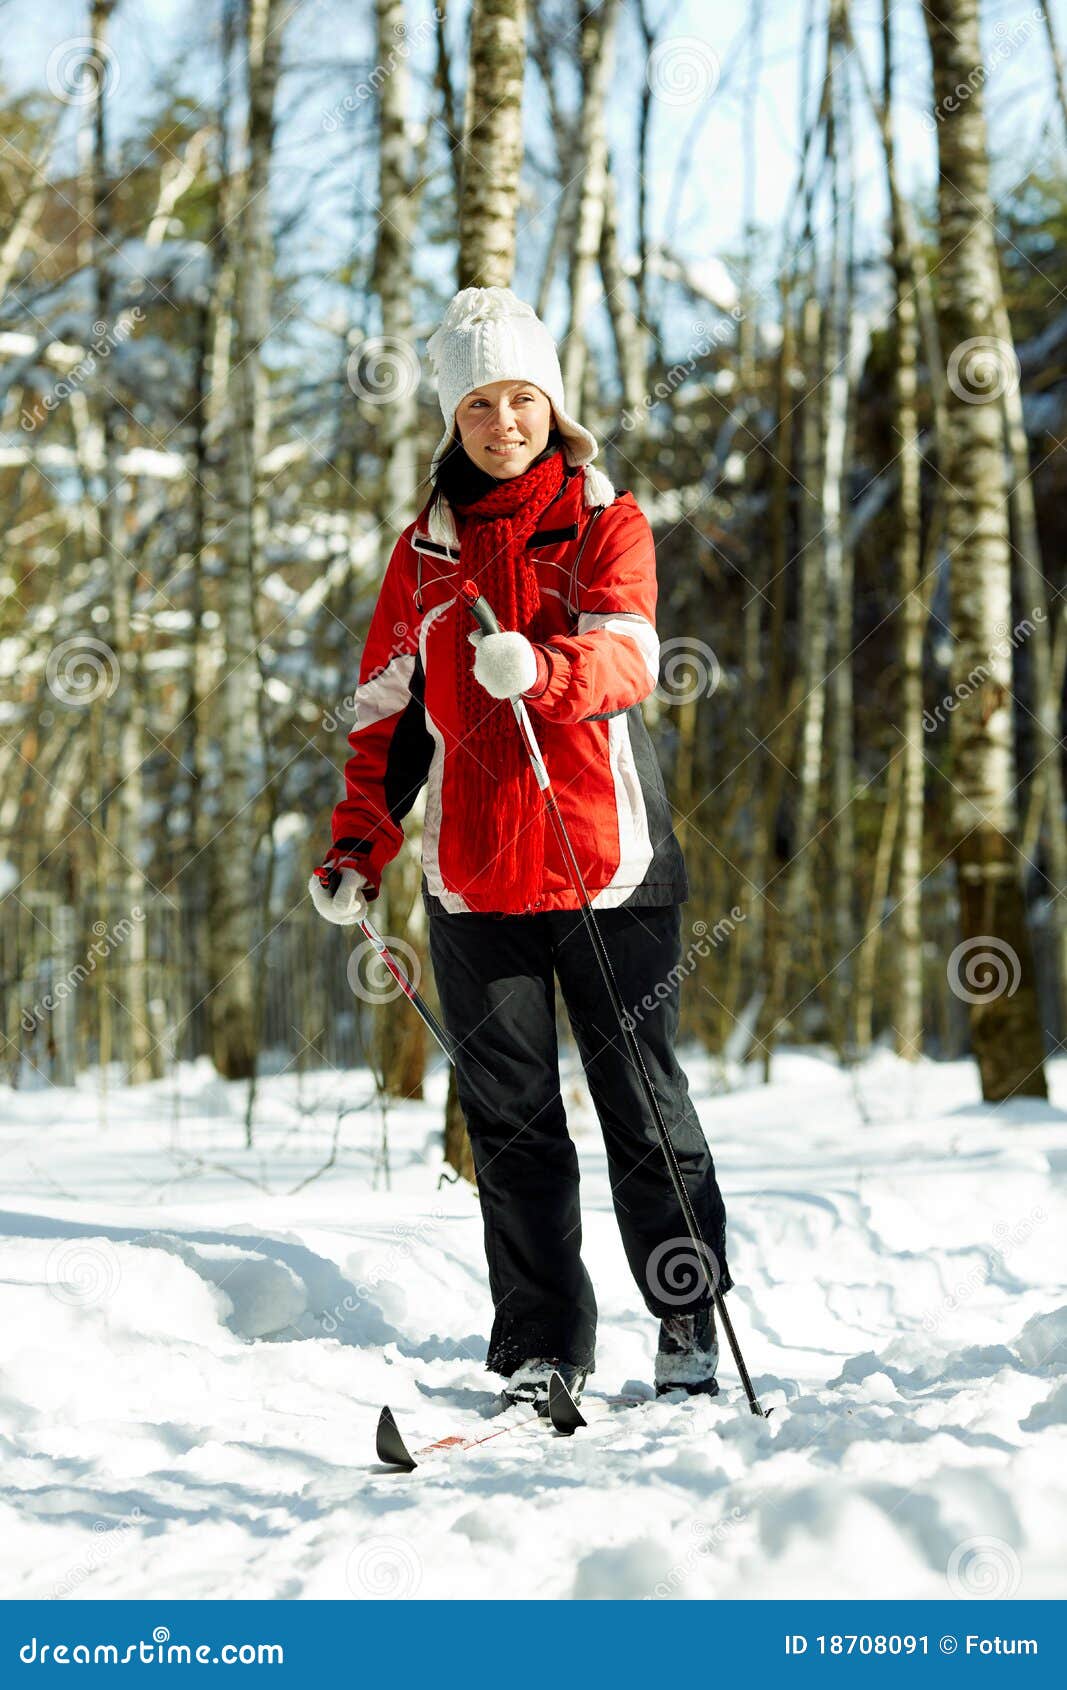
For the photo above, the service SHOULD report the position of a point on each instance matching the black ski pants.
(495, 982)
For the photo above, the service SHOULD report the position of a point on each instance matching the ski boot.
(529, 1383)
(688, 1354)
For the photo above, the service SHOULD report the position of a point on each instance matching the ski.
(561, 1415)
(394, 1452)
(567, 1417)
(563, 1411)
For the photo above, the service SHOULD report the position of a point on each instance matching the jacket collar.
(557, 523)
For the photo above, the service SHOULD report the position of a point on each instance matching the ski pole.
(484, 616)
(330, 879)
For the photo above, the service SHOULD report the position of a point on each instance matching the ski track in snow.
(192, 1367)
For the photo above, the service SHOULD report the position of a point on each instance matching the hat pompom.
(477, 305)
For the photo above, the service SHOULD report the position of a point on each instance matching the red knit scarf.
(504, 819)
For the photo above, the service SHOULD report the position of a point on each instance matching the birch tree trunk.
(775, 718)
(597, 45)
(753, 854)
(401, 1037)
(492, 143)
(232, 1001)
(446, 88)
(800, 927)
(627, 332)
(644, 138)
(866, 962)
(125, 708)
(1046, 694)
(1036, 799)
(565, 192)
(910, 288)
(213, 332)
(837, 362)
(394, 279)
(788, 922)
(24, 220)
(1057, 64)
(908, 985)
(991, 970)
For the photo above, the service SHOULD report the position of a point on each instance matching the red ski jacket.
(597, 572)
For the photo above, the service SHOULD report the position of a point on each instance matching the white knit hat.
(489, 334)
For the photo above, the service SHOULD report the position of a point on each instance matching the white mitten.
(347, 905)
(504, 664)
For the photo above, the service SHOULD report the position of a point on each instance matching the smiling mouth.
(510, 446)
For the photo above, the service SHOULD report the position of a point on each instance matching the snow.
(138, 461)
(143, 460)
(195, 1340)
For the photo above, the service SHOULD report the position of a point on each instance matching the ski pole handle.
(480, 609)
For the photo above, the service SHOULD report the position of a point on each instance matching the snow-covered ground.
(194, 1353)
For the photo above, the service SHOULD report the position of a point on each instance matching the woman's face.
(504, 425)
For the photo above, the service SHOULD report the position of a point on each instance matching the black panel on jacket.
(410, 751)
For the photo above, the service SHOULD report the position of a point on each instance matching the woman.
(568, 566)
